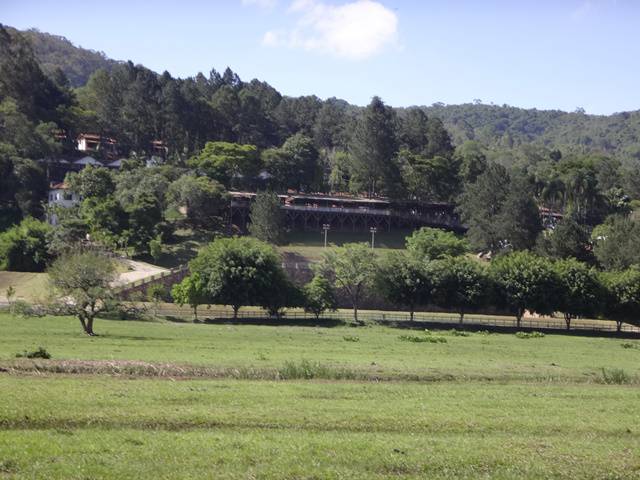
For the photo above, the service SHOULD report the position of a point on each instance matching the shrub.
(426, 339)
(630, 345)
(351, 338)
(41, 352)
(308, 370)
(527, 335)
(614, 376)
(458, 333)
(24, 309)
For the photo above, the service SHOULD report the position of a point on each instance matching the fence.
(421, 319)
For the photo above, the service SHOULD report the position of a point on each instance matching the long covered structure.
(347, 213)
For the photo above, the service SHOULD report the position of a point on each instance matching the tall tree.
(373, 147)
(519, 222)
(481, 203)
(204, 200)
(267, 218)
(304, 158)
(24, 247)
(568, 239)
(616, 243)
(231, 164)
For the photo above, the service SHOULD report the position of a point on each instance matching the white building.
(60, 196)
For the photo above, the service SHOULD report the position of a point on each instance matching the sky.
(545, 54)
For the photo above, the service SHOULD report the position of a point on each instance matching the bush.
(308, 370)
(426, 339)
(350, 338)
(41, 352)
(24, 309)
(458, 333)
(630, 345)
(527, 335)
(614, 376)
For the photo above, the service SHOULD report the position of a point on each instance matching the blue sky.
(546, 54)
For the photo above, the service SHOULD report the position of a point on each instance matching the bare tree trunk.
(195, 313)
(567, 320)
(461, 313)
(84, 325)
(89, 328)
(519, 314)
(411, 315)
(235, 312)
(355, 312)
(618, 326)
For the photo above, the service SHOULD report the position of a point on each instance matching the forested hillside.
(498, 165)
(498, 127)
(54, 51)
(503, 127)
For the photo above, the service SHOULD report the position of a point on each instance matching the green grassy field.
(186, 244)
(214, 401)
(311, 244)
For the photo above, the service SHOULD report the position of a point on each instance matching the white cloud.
(260, 3)
(354, 30)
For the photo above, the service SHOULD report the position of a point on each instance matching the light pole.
(373, 231)
(325, 229)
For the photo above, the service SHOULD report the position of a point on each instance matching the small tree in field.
(319, 296)
(190, 291)
(83, 281)
(525, 282)
(580, 291)
(404, 281)
(460, 284)
(624, 296)
(155, 293)
(241, 271)
(353, 268)
(11, 293)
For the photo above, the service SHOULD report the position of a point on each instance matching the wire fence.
(222, 314)
(217, 313)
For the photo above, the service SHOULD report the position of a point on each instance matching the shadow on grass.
(277, 322)
(172, 319)
(477, 327)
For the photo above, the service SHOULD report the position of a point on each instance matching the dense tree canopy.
(239, 272)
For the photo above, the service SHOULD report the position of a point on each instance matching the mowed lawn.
(477, 406)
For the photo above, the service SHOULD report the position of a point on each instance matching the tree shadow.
(277, 322)
(478, 327)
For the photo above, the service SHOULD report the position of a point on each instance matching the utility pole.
(373, 231)
(325, 229)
